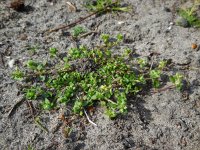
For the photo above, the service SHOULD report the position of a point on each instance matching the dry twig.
(68, 26)
(90, 121)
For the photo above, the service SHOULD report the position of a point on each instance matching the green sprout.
(31, 94)
(162, 64)
(29, 147)
(47, 105)
(155, 75)
(33, 65)
(78, 30)
(127, 52)
(17, 75)
(189, 14)
(177, 79)
(142, 62)
(53, 52)
(105, 6)
(110, 43)
(32, 49)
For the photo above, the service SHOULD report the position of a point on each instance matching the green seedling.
(162, 65)
(47, 105)
(103, 6)
(142, 62)
(177, 79)
(127, 52)
(189, 14)
(17, 75)
(32, 49)
(155, 76)
(31, 94)
(29, 147)
(100, 77)
(78, 30)
(53, 52)
(109, 42)
(33, 65)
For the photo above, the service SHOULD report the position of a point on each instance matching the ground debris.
(15, 106)
(17, 5)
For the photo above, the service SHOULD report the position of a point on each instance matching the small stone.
(11, 63)
(183, 22)
(71, 7)
(120, 22)
(194, 46)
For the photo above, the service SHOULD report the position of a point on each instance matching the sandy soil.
(168, 120)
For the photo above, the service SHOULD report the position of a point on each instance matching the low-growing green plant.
(47, 105)
(33, 65)
(87, 77)
(190, 15)
(78, 30)
(33, 49)
(53, 52)
(102, 6)
(18, 74)
(177, 80)
(29, 147)
(155, 76)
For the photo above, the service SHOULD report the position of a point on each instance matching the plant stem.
(68, 26)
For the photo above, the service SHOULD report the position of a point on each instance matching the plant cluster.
(105, 6)
(78, 30)
(102, 78)
(189, 14)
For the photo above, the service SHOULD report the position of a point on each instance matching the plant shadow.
(139, 108)
(136, 105)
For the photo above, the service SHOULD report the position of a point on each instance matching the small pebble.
(120, 22)
(11, 63)
(71, 7)
(194, 46)
(183, 22)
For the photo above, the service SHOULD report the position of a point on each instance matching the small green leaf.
(105, 38)
(155, 74)
(32, 64)
(53, 52)
(18, 75)
(156, 83)
(111, 113)
(119, 37)
(127, 51)
(31, 94)
(78, 106)
(77, 30)
(177, 79)
(142, 62)
(40, 67)
(47, 105)
(162, 65)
